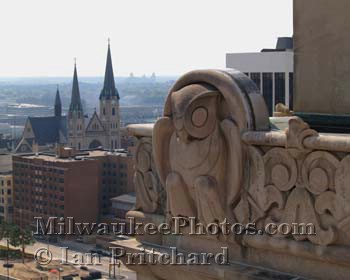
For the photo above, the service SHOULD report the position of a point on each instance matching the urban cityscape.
(167, 140)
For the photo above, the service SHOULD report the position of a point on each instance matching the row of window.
(9, 200)
(38, 182)
(39, 188)
(8, 182)
(9, 209)
(113, 111)
(279, 85)
(9, 191)
(40, 194)
(40, 168)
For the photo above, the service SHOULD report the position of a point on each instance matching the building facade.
(6, 188)
(49, 185)
(271, 70)
(6, 200)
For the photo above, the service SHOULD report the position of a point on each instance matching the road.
(77, 254)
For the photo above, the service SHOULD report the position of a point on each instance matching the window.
(104, 111)
(279, 88)
(256, 79)
(113, 111)
(291, 91)
(267, 90)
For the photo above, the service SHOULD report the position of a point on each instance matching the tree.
(16, 236)
(3, 230)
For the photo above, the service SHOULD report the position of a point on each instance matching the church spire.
(58, 104)
(75, 103)
(109, 90)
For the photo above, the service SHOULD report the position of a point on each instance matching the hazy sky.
(41, 37)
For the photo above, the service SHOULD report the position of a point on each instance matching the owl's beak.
(183, 136)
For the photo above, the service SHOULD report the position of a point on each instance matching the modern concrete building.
(69, 185)
(271, 70)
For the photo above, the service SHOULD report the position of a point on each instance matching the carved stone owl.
(197, 147)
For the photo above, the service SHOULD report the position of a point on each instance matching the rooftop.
(82, 155)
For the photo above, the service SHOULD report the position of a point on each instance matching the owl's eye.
(199, 116)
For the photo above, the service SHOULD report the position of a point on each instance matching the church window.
(113, 111)
(104, 111)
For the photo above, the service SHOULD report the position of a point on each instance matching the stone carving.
(296, 132)
(197, 144)
(217, 158)
(149, 192)
(295, 184)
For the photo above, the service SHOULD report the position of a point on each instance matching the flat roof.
(88, 155)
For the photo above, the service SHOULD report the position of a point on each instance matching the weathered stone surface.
(321, 56)
(214, 160)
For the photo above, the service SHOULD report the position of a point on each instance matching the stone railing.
(213, 156)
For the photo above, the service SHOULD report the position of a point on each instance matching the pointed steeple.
(109, 88)
(75, 103)
(58, 104)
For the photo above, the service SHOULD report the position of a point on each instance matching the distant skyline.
(41, 38)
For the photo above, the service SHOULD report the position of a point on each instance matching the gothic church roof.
(109, 90)
(47, 129)
(75, 104)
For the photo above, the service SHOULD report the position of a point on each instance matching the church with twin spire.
(75, 130)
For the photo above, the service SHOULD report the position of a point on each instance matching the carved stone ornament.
(149, 192)
(197, 145)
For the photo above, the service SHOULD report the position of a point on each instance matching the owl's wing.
(234, 169)
(162, 131)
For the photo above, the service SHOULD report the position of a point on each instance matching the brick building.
(69, 185)
(6, 191)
